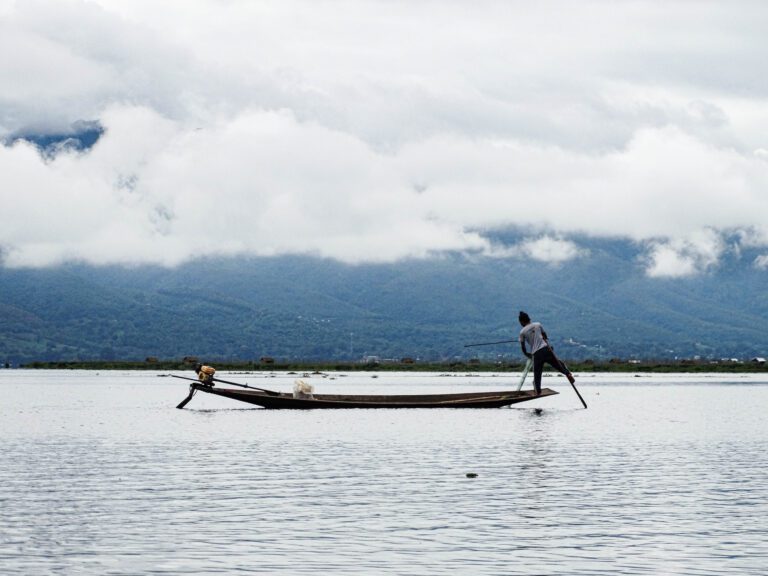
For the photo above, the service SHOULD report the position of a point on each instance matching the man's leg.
(558, 365)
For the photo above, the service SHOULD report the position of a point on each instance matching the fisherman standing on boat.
(535, 338)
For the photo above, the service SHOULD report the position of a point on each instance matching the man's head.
(524, 318)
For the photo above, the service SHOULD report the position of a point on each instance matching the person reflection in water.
(533, 338)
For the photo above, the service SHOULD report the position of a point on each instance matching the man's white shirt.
(533, 337)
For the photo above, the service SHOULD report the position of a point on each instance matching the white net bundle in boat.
(302, 390)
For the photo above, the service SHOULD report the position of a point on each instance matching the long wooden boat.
(280, 400)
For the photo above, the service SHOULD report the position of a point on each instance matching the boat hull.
(495, 399)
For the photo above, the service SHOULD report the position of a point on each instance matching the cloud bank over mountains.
(373, 131)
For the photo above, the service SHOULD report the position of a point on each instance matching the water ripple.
(103, 476)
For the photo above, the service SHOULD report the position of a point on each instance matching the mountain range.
(599, 306)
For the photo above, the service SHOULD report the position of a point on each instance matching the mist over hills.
(598, 306)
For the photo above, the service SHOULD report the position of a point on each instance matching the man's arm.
(522, 347)
(544, 336)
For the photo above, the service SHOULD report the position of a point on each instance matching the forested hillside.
(599, 307)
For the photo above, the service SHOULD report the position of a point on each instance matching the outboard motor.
(205, 374)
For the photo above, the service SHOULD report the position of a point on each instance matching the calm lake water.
(663, 474)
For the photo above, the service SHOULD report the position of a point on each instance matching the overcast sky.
(375, 131)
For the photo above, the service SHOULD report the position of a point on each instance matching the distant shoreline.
(619, 366)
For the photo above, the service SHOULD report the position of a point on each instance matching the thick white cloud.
(261, 183)
(374, 131)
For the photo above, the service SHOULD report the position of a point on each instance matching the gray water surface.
(664, 474)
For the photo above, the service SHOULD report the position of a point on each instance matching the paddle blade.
(579, 395)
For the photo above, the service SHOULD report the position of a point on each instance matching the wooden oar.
(571, 383)
(270, 392)
(579, 395)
